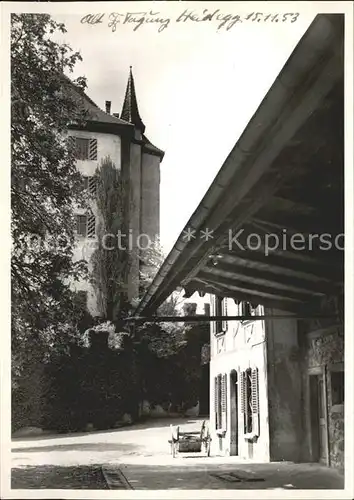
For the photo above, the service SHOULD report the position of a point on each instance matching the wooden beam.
(269, 278)
(283, 305)
(307, 268)
(242, 286)
(207, 319)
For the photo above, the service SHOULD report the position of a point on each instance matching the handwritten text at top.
(222, 20)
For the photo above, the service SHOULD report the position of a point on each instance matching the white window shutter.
(255, 402)
(91, 225)
(224, 313)
(216, 404)
(243, 402)
(224, 402)
(93, 149)
(71, 142)
(92, 185)
(212, 313)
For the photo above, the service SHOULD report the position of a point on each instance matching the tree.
(45, 184)
(111, 259)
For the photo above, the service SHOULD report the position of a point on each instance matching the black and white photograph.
(177, 277)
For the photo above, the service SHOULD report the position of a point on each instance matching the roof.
(150, 148)
(285, 171)
(96, 118)
(130, 111)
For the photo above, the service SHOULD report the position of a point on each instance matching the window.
(81, 221)
(337, 387)
(218, 312)
(85, 149)
(220, 402)
(249, 397)
(81, 296)
(248, 309)
(90, 184)
(218, 308)
(86, 225)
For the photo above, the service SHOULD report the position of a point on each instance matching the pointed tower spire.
(130, 111)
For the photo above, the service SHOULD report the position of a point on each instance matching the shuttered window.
(220, 402)
(255, 402)
(91, 225)
(90, 184)
(212, 313)
(224, 402)
(224, 313)
(218, 312)
(81, 225)
(86, 225)
(249, 398)
(217, 401)
(93, 149)
(85, 148)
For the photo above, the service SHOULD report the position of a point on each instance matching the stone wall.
(324, 349)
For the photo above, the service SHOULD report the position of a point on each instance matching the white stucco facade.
(108, 145)
(242, 346)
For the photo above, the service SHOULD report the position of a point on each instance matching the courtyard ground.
(137, 457)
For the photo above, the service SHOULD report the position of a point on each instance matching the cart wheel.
(207, 441)
(208, 448)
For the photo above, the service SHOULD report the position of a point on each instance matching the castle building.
(122, 138)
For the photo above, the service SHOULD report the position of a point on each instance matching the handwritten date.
(222, 20)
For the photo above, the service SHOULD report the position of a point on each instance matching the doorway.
(234, 413)
(318, 412)
(204, 391)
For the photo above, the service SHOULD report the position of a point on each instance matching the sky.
(197, 88)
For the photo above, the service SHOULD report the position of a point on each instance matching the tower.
(123, 140)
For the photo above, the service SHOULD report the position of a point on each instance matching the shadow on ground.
(55, 477)
(126, 447)
(144, 425)
(251, 476)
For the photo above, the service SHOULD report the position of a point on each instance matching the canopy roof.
(285, 175)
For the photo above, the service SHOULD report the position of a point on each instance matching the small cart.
(190, 442)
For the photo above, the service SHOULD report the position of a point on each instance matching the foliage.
(111, 260)
(44, 182)
(151, 260)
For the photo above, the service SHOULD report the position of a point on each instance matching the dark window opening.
(218, 312)
(82, 148)
(248, 309)
(86, 225)
(81, 225)
(85, 149)
(337, 387)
